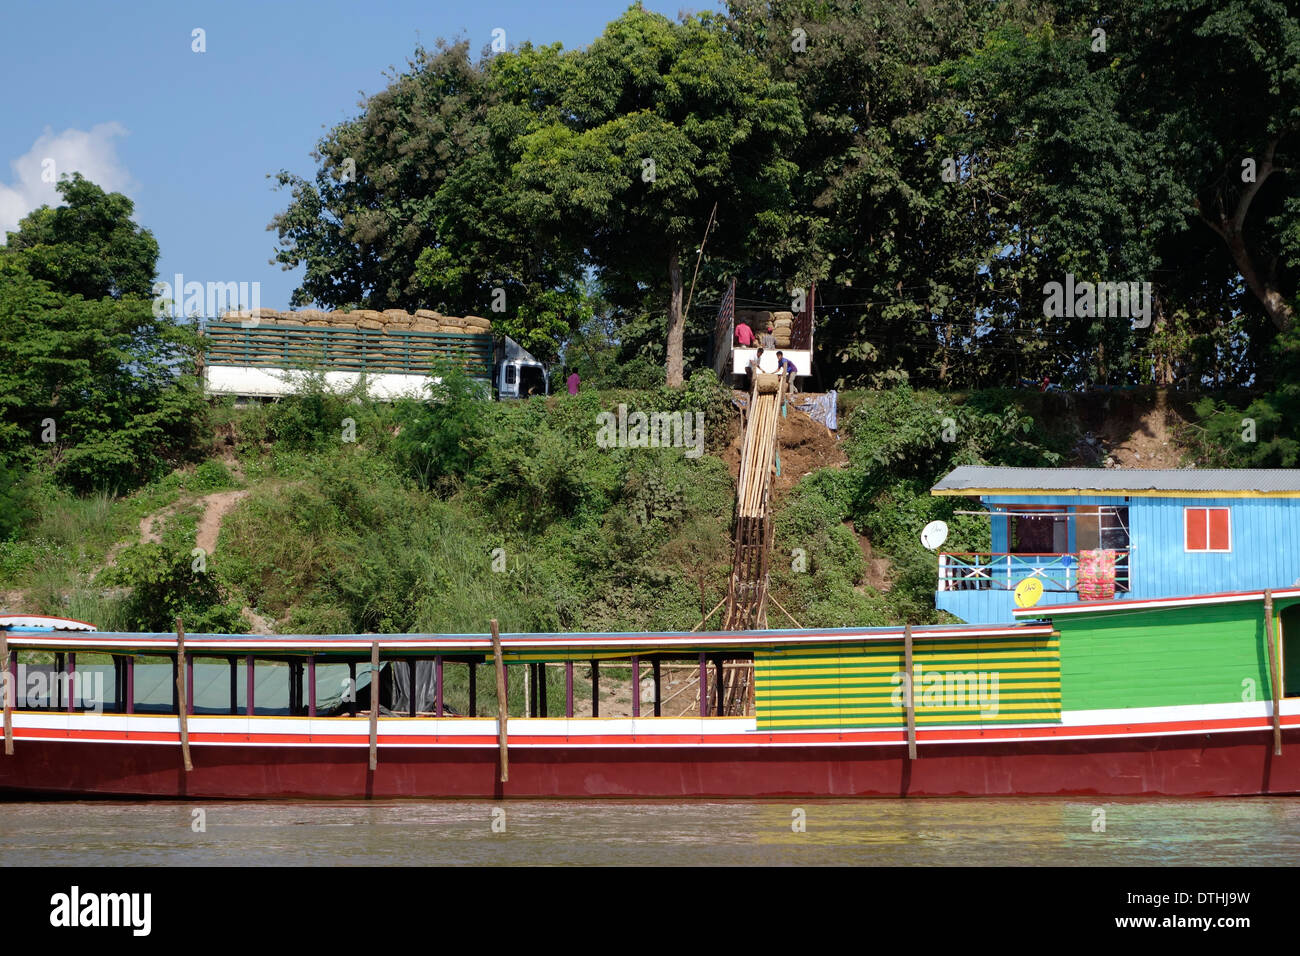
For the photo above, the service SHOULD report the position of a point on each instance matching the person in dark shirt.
(787, 368)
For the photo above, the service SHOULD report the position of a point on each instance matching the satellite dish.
(1029, 592)
(934, 535)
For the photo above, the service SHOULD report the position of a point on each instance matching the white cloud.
(93, 154)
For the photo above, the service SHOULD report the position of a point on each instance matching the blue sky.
(115, 90)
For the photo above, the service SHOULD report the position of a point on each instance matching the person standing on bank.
(787, 368)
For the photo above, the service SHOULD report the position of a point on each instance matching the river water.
(878, 832)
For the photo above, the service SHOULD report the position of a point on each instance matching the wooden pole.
(595, 688)
(72, 683)
(412, 664)
(704, 686)
(783, 610)
(250, 674)
(909, 693)
(9, 695)
(698, 257)
(473, 688)
(374, 705)
(501, 702)
(234, 685)
(437, 686)
(636, 686)
(182, 711)
(655, 664)
(568, 688)
(541, 689)
(1273, 674)
(311, 685)
(706, 617)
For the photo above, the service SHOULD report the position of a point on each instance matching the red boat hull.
(1222, 764)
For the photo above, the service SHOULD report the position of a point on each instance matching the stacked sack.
(782, 324)
(390, 320)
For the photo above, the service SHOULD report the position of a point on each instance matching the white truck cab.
(518, 373)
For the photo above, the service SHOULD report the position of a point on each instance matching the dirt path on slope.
(215, 508)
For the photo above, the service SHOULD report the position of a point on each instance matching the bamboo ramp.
(752, 542)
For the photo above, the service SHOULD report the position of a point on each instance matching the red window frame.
(1204, 528)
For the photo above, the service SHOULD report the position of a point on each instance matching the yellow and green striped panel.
(1013, 679)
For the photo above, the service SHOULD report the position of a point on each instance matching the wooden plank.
(658, 687)
(1273, 673)
(636, 686)
(909, 695)
(9, 694)
(437, 686)
(182, 711)
(374, 706)
(502, 740)
(311, 683)
(704, 686)
(541, 690)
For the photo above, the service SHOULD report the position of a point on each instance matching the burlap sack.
(427, 314)
(396, 315)
(767, 383)
(372, 324)
(370, 314)
(478, 322)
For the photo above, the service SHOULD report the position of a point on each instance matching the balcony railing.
(1001, 571)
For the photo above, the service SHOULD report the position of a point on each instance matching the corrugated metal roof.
(1198, 482)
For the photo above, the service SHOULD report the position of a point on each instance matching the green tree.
(101, 390)
(657, 122)
(414, 204)
(89, 246)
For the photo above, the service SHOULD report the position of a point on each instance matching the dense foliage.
(91, 381)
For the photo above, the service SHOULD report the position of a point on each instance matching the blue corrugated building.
(1119, 534)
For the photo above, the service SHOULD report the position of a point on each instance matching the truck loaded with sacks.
(263, 353)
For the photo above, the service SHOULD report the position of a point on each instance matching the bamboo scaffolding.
(752, 542)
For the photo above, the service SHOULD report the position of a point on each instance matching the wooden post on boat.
(9, 695)
(374, 705)
(182, 710)
(501, 701)
(568, 688)
(909, 697)
(311, 681)
(659, 702)
(1273, 674)
(636, 686)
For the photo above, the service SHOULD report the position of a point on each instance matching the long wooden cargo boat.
(1169, 697)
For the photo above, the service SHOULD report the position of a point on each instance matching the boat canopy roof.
(977, 480)
(577, 643)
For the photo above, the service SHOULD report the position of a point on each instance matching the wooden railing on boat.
(1002, 571)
